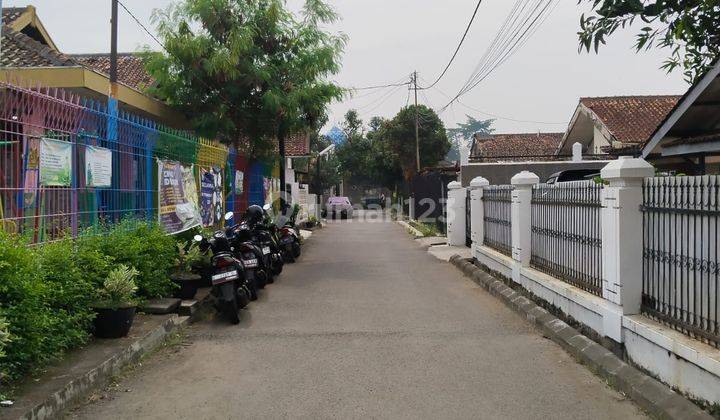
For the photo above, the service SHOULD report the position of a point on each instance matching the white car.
(338, 206)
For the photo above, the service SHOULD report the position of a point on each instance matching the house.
(29, 55)
(513, 147)
(615, 124)
(688, 138)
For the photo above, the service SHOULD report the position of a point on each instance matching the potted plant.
(189, 257)
(115, 310)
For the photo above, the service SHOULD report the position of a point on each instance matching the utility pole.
(113, 48)
(417, 123)
(1, 25)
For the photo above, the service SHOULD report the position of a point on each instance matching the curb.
(653, 396)
(74, 390)
(412, 230)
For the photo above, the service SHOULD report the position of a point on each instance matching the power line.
(499, 117)
(222, 97)
(467, 29)
(509, 38)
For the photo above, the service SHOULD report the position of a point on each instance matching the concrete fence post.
(622, 233)
(411, 208)
(520, 214)
(477, 211)
(456, 214)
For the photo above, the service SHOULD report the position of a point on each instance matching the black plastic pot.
(189, 284)
(113, 323)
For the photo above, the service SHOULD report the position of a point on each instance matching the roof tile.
(131, 70)
(508, 146)
(631, 119)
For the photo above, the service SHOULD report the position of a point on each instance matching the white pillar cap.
(454, 185)
(479, 182)
(627, 168)
(525, 178)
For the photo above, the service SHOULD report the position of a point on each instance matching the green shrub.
(140, 244)
(119, 288)
(69, 291)
(4, 341)
(44, 299)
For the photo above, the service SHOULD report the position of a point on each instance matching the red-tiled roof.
(131, 70)
(19, 50)
(508, 146)
(297, 145)
(9, 14)
(631, 119)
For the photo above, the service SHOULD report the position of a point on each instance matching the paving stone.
(188, 307)
(161, 306)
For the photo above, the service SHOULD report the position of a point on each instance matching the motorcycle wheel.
(231, 311)
(252, 287)
(261, 278)
(296, 249)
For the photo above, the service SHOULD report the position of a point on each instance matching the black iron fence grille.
(566, 233)
(680, 254)
(468, 219)
(496, 220)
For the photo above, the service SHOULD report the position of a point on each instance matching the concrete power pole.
(1, 26)
(113, 48)
(417, 123)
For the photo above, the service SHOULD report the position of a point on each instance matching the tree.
(400, 135)
(247, 72)
(689, 29)
(462, 135)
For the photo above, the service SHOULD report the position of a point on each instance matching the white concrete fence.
(587, 250)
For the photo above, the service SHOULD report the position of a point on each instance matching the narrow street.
(365, 325)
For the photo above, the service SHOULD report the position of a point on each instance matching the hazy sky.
(388, 39)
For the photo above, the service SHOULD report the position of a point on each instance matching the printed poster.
(177, 196)
(98, 171)
(211, 196)
(32, 166)
(55, 163)
(239, 179)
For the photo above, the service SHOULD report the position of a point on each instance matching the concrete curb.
(653, 396)
(409, 227)
(78, 387)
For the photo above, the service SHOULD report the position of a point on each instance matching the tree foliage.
(690, 30)
(400, 135)
(462, 135)
(247, 71)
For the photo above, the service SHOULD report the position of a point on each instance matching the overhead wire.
(462, 40)
(509, 38)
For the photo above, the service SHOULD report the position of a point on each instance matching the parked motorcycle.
(288, 235)
(250, 253)
(266, 232)
(230, 286)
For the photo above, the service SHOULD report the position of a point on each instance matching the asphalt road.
(365, 325)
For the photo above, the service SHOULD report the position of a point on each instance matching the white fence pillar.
(477, 211)
(521, 221)
(456, 214)
(622, 233)
(411, 208)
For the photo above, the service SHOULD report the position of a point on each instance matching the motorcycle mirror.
(267, 207)
(229, 215)
(198, 238)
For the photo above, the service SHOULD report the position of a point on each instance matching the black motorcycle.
(267, 234)
(288, 236)
(230, 286)
(250, 253)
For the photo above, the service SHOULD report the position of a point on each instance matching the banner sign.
(177, 197)
(211, 196)
(55, 163)
(98, 171)
(239, 179)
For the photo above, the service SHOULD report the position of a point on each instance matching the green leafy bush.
(119, 288)
(140, 244)
(4, 341)
(44, 300)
